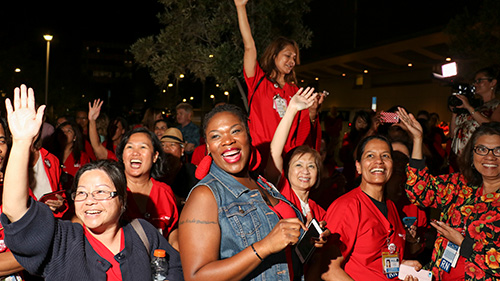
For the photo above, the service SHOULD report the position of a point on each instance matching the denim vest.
(245, 218)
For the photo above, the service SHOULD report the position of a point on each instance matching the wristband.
(257, 254)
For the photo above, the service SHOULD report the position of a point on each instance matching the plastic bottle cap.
(159, 253)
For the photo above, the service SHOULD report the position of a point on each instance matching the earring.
(255, 159)
(203, 167)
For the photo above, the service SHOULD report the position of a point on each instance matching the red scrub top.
(53, 170)
(264, 119)
(71, 167)
(361, 231)
(161, 209)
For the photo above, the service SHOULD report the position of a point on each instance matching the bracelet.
(472, 113)
(257, 254)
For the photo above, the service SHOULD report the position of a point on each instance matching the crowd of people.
(88, 197)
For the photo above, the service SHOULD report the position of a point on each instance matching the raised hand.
(411, 123)
(95, 109)
(24, 120)
(303, 99)
(240, 2)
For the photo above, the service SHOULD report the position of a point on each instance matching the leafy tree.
(475, 35)
(201, 37)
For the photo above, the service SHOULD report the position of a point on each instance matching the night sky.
(71, 22)
(124, 21)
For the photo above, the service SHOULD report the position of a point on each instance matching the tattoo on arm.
(195, 221)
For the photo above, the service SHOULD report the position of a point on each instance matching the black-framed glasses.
(483, 150)
(98, 195)
(477, 81)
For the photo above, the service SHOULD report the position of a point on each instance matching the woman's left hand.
(411, 123)
(303, 99)
(323, 237)
(448, 232)
(55, 204)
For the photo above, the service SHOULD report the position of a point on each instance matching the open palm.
(24, 120)
(95, 109)
(303, 99)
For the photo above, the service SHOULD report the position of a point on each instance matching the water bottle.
(159, 266)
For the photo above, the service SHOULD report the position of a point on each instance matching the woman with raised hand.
(142, 155)
(469, 201)
(271, 84)
(101, 248)
(299, 171)
(69, 148)
(368, 234)
(248, 226)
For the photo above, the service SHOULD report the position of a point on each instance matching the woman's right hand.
(285, 232)
(95, 109)
(24, 120)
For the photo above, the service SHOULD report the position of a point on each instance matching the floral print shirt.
(466, 125)
(467, 210)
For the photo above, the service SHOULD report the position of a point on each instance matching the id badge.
(450, 257)
(279, 104)
(390, 263)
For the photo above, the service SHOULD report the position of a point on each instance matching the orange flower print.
(490, 197)
(412, 178)
(466, 210)
(493, 258)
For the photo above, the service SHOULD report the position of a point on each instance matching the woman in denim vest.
(235, 225)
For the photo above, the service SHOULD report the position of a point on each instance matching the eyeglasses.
(483, 150)
(477, 81)
(98, 195)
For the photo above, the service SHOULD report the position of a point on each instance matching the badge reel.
(390, 260)
(450, 257)
(279, 104)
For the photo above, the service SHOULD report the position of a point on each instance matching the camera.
(465, 90)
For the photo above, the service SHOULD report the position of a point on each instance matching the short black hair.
(115, 172)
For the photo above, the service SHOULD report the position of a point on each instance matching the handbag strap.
(254, 90)
(142, 234)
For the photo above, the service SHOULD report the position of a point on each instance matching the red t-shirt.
(264, 119)
(161, 209)
(114, 273)
(361, 231)
(89, 150)
(71, 167)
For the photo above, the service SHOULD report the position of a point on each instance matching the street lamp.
(47, 38)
